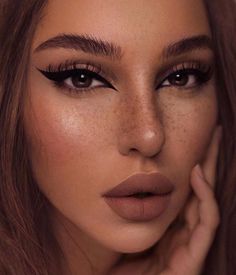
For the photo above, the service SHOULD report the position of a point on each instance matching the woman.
(142, 89)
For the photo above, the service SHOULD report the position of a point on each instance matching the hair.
(24, 226)
(221, 259)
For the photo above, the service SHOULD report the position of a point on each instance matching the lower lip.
(139, 210)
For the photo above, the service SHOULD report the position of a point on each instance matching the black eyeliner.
(58, 77)
(62, 75)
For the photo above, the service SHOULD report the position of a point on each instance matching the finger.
(192, 214)
(209, 219)
(209, 165)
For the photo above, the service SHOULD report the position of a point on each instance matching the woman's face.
(147, 105)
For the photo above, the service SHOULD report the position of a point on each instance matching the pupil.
(83, 77)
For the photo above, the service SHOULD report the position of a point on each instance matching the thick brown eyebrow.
(85, 43)
(92, 45)
(187, 45)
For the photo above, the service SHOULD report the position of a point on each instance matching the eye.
(83, 79)
(76, 80)
(186, 79)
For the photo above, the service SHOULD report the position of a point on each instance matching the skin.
(77, 141)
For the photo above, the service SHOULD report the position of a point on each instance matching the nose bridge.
(141, 126)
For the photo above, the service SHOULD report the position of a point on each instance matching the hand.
(186, 245)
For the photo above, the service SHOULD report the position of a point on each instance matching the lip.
(123, 201)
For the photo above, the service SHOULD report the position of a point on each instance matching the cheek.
(57, 136)
(62, 132)
(189, 126)
(70, 147)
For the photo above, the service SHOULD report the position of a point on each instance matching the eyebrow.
(95, 46)
(187, 45)
(85, 43)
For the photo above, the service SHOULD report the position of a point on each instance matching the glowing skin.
(81, 146)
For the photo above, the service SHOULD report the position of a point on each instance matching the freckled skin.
(82, 146)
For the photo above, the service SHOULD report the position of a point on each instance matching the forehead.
(148, 23)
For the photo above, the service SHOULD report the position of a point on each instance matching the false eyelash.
(73, 65)
(201, 66)
(60, 76)
(202, 70)
(57, 74)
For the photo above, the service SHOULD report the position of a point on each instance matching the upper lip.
(154, 183)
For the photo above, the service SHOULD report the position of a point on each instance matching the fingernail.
(199, 171)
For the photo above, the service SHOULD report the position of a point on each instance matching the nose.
(141, 129)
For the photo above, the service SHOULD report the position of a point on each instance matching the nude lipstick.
(141, 197)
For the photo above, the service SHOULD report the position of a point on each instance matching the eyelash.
(202, 72)
(58, 74)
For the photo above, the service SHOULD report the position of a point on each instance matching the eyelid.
(63, 71)
(63, 75)
(71, 64)
(191, 64)
(194, 65)
(77, 64)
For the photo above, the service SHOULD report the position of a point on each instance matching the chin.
(135, 247)
(135, 242)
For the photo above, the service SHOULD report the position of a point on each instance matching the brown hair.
(24, 228)
(222, 19)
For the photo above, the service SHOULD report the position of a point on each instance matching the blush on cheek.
(59, 142)
(56, 131)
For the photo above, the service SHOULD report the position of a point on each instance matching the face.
(143, 101)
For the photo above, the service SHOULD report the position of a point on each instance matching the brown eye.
(82, 80)
(179, 79)
(186, 79)
(76, 79)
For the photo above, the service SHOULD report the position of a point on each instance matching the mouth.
(141, 197)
